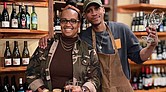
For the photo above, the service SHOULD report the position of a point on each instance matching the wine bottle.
(134, 81)
(1, 87)
(164, 22)
(16, 55)
(140, 80)
(133, 24)
(23, 17)
(5, 17)
(33, 19)
(13, 84)
(25, 54)
(141, 21)
(27, 18)
(21, 87)
(6, 84)
(57, 20)
(7, 56)
(13, 17)
(18, 17)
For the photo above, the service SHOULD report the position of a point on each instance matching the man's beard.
(96, 24)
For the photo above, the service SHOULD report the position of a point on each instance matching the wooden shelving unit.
(37, 3)
(21, 33)
(139, 7)
(152, 90)
(12, 69)
(151, 62)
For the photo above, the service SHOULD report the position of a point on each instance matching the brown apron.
(113, 77)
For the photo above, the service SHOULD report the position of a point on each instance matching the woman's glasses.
(71, 21)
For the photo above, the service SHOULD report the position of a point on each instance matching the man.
(115, 43)
(110, 38)
(65, 58)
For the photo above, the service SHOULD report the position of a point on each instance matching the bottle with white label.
(5, 17)
(16, 55)
(7, 56)
(25, 54)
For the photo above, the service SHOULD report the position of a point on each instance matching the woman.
(65, 58)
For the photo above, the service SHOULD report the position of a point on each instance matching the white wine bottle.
(7, 56)
(25, 54)
(33, 19)
(16, 55)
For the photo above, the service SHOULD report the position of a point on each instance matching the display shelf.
(151, 62)
(152, 90)
(161, 35)
(13, 69)
(60, 4)
(22, 33)
(139, 7)
(38, 3)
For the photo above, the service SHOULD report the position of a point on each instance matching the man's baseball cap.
(88, 2)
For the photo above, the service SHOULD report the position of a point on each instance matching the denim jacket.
(86, 66)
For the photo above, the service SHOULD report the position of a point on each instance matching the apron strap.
(110, 35)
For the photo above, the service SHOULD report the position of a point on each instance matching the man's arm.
(146, 52)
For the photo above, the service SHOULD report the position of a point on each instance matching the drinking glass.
(69, 84)
(153, 20)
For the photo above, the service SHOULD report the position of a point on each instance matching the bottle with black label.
(7, 56)
(13, 17)
(21, 87)
(25, 54)
(16, 55)
(18, 17)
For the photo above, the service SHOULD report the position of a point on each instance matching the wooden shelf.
(22, 33)
(139, 7)
(62, 4)
(38, 3)
(13, 69)
(161, 35)
(152, 90)
(151, 62)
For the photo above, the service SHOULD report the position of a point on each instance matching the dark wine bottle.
(6, 84)
(1, 86)
(5, 17)
(7, 56)
(18, 16)
(13, 17)
(16, 55)
(21, 87)
(134, 81)
(13, 84)
(23, 17)
(0, 20)
(33, 19)
(27, 17)
(25, 54)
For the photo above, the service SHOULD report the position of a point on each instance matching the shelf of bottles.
(38, 3)
(149, 78)
(13, 83)
(139, 7)
(14, 61)
(21, 24)
(59, 4)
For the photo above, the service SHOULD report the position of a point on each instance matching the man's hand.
(152, 32)
(43, 41)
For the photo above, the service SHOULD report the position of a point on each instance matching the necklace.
(67, 46)
(100, 41)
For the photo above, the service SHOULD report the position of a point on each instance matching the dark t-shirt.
(130, 47)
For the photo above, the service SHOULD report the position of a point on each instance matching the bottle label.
(23, 23)
(8, 62)
(34, 20)
(16, 61)
(5, 23)
(25, 61)
(14, 23)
